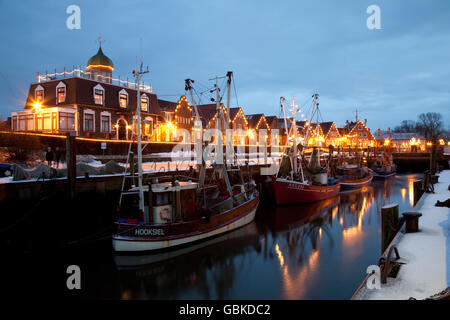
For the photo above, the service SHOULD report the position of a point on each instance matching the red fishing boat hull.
(294, 192)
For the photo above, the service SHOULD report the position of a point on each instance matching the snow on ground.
(426, 253)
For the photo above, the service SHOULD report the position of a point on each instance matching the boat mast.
(315, 96)
(229, 74)
(219, 142)
(294, 123)
(188, 87)
(139, 142)
(284, 114)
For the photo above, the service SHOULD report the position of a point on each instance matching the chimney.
(365, 122)
(389, 133)
(379, 133)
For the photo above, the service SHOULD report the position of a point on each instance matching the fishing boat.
(174, 211)
(354, 176)
(384, 166)
(296, 180)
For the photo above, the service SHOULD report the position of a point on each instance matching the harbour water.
(313, 251)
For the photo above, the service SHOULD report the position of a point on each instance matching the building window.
(61, 95)
(30, 122)
(98, 96)
(144, 104)
(22, 123)
(14, 123)
(123, 100)
(105, 124)
(89, 122)
(149, 128)
(66, 121)
(44, 122)
(360, 127)
(39, 95)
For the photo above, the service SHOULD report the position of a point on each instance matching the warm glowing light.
(442, 142)
(403, 191)
(413, 141)
(279, 254)
(99, 66)
(37, 107)
(387, 142)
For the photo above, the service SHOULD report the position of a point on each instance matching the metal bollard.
(412, 221)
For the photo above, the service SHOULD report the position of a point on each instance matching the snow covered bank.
(426, 253)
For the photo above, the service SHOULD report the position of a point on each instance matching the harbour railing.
(80, 72)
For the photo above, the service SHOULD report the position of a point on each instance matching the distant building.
(357, 135)
(91, 103)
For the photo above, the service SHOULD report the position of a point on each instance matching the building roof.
(167, 106)
(100, 60)
(406, 136)
(253, 119)
(206, 113)
(326, 126)
(80, 91)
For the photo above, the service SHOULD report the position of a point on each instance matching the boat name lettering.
(149, 232)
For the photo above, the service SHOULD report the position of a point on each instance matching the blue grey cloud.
(275, 48)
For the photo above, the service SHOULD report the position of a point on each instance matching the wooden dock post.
(418, 190)
(389, 224)
(71, 160)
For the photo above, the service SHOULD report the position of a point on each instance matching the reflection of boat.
(285, 218)
(209, 269)
(297, 181)
(163, 215)
(125, 262)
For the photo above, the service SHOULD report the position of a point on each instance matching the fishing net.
(45, 172)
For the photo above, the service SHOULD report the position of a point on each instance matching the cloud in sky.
(275, 48)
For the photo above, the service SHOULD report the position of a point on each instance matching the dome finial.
(100, 61)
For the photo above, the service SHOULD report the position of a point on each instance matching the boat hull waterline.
(355, 183)
(132, 238)
(382, 174)
(294, 192)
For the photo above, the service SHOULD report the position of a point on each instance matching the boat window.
(162, 198)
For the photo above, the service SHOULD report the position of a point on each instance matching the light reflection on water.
(312, 251)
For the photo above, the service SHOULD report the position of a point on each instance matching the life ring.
(164, 214)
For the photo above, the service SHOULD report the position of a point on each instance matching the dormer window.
(61, 93)
(123, 98)
(99, 95)
(144, 103)
(39, 94)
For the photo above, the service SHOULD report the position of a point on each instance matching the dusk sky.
(275, 48)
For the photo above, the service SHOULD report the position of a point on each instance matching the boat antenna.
(137, 74)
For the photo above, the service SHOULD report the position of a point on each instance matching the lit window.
(39, 95)
(61, 94)
(123, 100)
(105, 124)
(88, 122)
(66, 121)
(98, 96)
(144, 104)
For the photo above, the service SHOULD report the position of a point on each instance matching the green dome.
(100, 61)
